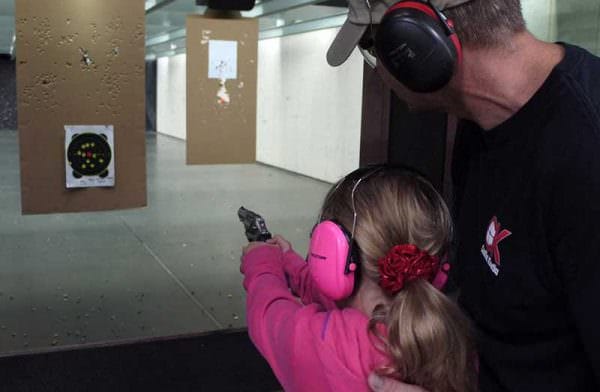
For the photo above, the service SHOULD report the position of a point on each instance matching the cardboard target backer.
(80, 62)
(89, 156)
(221, 90)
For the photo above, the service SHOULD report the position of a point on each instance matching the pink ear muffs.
(331, 264)
(440, 279)
(330, 260)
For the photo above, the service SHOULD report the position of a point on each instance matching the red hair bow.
(403, 264)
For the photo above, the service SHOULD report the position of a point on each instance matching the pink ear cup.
(440, 279)
(327, 255)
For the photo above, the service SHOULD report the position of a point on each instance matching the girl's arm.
(300, 281)
(297, 339)
(298, 276)
(273, 313)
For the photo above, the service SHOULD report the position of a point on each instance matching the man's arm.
(573, 221)
(576, 255)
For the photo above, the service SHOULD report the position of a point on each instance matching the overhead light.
(149, 4)
(279, 22)
(13, 41)
(173, 46)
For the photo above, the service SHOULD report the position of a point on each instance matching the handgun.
(254, 224)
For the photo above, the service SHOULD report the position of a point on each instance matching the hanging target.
(89, 156)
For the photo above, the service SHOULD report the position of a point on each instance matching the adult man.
(527, 176)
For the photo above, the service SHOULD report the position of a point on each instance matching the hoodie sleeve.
(334, 347)
(273, 313)
(301, 283)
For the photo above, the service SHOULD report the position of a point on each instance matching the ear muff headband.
(454, 38)
(439, 16)
(413, 4)
(333, 253)
(418, 46)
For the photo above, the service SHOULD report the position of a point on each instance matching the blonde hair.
(429, 339)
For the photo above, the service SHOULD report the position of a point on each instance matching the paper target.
(89, 156)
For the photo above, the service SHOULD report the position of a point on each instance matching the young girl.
(367, 302)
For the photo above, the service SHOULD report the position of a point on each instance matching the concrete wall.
(170, 96)
(540, 16)
(573, 21)
(309, 113)
(578, 22)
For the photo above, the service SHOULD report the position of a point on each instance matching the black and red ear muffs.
(417, 44)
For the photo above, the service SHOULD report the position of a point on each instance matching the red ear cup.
(330, 262)
(417, 46)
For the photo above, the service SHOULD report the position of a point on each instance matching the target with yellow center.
(89, 154)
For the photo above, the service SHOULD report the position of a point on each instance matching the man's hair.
(487, 23)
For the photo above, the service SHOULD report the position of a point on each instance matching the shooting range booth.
(86, 95)
(126, 277)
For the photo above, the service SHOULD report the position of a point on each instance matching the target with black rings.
(89, 154)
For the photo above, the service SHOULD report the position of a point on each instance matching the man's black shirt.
(528, 217)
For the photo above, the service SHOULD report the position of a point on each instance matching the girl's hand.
(384, 384)
(277, 241)
(252, 245)
(283, 244)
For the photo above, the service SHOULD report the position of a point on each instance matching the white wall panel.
(309, 113)
(540, 16)
(170, 96)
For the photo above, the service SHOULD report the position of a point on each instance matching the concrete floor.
(171, 268)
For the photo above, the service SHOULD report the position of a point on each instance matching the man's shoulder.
(579, 86)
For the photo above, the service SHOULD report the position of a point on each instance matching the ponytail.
(403, 218)
(429, 340)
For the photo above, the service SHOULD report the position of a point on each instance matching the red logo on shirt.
(490, 250)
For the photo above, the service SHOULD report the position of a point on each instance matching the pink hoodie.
(311, 345)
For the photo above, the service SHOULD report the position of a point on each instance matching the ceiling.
(165, 21)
